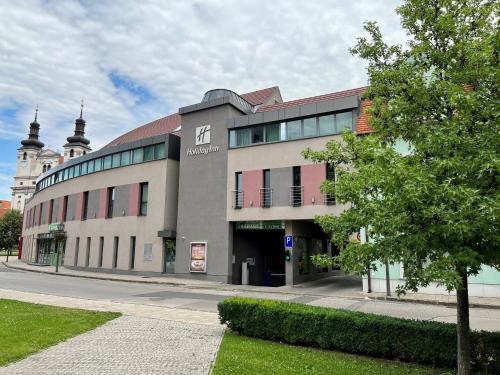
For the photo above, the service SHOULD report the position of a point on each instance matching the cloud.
(135, 61)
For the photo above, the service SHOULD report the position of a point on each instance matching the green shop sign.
(260, 225)
(56, 227)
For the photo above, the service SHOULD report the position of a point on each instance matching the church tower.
(27, 168)
(77, 144)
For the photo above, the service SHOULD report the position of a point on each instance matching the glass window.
(125, 158)
(326, 124)
(160, 151)
(111, 201)
(293, 129)
(115, 160)
(84, 168)
(90, 166)
(309, 127)
(143, 209)
(97, 165)
(243, 137)
(232, 138)
(257, 134)
(138, 155)
(343, 121)
(107, 162)
(77, 170)
(71, 172)
(273, 133)
(66, 174)
(148, 153)
(283, 131)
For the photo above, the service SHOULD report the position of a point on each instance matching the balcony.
(237, 199)
(265, 198)
(329, 199)
(296, 196)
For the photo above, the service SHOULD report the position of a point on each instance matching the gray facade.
(121, 204)
(203, 194)
(281, 180)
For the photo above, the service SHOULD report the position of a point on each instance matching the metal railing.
(296, 196)
(329, 199)
(265, 198)
(237, 199)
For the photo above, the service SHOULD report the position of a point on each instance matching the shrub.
(423, 342)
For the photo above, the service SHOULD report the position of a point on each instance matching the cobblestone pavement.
(129, 345)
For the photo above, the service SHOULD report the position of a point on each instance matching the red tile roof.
(313, 99)
(259, 97)
(362, 126)
(4, 208)
(161, 126)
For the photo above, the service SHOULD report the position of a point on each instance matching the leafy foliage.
(356, 332)
(436, 208)
(10, 229)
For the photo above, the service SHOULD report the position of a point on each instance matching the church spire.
(32, 140)
(78, 139)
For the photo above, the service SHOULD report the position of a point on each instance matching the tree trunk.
(463, 327)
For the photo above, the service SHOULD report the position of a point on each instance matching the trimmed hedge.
(423, 342)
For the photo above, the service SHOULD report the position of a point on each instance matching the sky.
(135, 61)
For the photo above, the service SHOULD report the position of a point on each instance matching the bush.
(423, 342)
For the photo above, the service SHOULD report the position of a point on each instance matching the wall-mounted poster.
(198, 257)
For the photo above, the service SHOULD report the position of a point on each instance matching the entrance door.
(169, 256)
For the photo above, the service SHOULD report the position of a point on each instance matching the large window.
(148, 153)
(115, 162)
(85, 207)
(160, 151)
(107, 162)
(290, 130)
(138, 155)
(125, 158)
(115, 252)
(143, 207)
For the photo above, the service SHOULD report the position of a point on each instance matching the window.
(84, 168)
(107, 162)
(71, 172)
(51, 209)
(160, 151)
(44, 169)
(125, 158)
(101, 252)
(87, 252)
(243, 137)
(138, 155)
(84, 152)
(296, 190)
(343, 121)
(25, 156)
(293, 129)
(66, 174)
(266, 193)
(330, 175)
(257, 134)
(90, 166)
(238, 198)
(115, 252)
(115, 160)
(97, 165)
(77, 250)
(111, 202)
(132, 253)
(21, 183)
(85, 205)
(49, 166)
(232, 138)
(148, 153)
(326, 124)
(65, 208)
(309, 125)
(273, 133)
(143, 207)
(71, 153)
(76, 173)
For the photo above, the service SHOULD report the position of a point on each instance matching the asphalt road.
(207, 299)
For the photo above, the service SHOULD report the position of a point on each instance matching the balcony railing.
(329, 199)
(266, 198)
(237, 199)
(296, 196)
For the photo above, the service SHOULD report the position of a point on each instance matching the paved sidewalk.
(128, 345)
(335, 286)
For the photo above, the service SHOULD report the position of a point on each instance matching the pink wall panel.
(133, 202)
(79, 206)
(252, 183)
(312, 176)
(60, 212)
(48, 212)
(103, 200)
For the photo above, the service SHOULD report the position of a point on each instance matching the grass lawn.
(244, 355)
(26, 328)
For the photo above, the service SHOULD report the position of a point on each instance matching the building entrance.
(262, 250)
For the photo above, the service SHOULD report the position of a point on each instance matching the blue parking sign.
(288, 242)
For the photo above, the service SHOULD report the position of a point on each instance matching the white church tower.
(77, 144)
(32, 160)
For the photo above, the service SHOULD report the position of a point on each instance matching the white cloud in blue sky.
(135, 61)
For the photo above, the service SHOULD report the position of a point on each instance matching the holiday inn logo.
(202, 135)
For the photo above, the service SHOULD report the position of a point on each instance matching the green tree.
(10, 229)
(436, 209)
